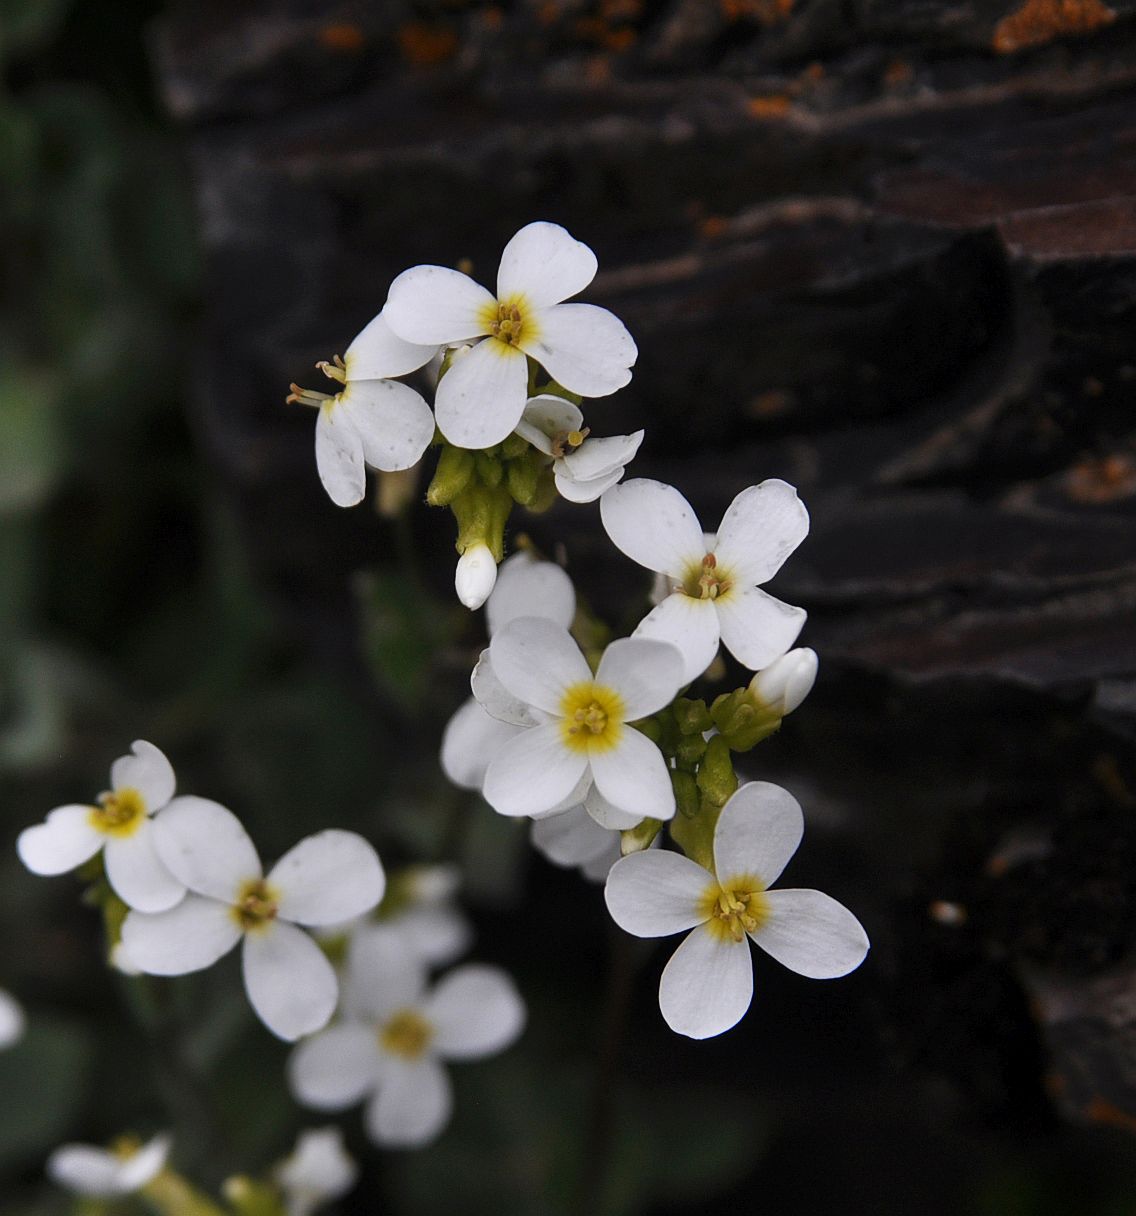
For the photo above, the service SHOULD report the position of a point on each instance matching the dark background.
(883, 249)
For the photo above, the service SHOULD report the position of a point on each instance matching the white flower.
(120, 825)
(481, 397)
(325, 879)
(318, 1171)
(419, 909)
(475, 575)
(12, 1020)
(525, 586)
(573, 838)
(582, 738)
(99, 1173)
(787, 681)
(394, 1036)
(715, 582)
(707, 985)
(582, 467)
(373, 419)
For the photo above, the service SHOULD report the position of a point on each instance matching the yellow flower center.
(705, 581)
(592, 717)
(734, 908)
(407, 1034)
(119, 813)
(256, 906)
(509, 321)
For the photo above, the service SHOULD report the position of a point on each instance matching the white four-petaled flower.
(120, 825)
(582, 747)
(708, 983)
(394, 1035)
(373, 419)
(100, 1173)
(714, 580)
(319, 1170)
(326, 879)
(480, 398)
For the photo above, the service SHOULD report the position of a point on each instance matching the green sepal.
(687, 798)
(489, 469)
(482, 513)
(545, 494)
(514, 446)
(692, 717)
(552, 389)
(690, 750)
(453, 473)
(716, 777)
(523, 479)
(742, 721)
(640, 837)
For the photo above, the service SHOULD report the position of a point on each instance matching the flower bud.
(475, 576)
(786, 682)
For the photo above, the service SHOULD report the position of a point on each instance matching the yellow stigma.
(255, 907)
(705, 581)
(735, 907)
(407, 1034)
(509, 321)
(592, 717)
(119, 813)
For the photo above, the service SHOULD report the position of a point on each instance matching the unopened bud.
(787, 681)
(475, 576)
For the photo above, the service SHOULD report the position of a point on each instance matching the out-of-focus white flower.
(318, 1171)
(12, 1020)
(583, 737)
(99, 1173)
(480, 398)
(715, 593)
(475, 575)
(572, 838)
(786, 682)
(582, 467)
(708, 983)
(120, 825)
(372, 420)
(394, 1035)
(325, 879)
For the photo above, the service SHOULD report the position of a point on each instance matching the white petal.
(688, 623)
(412, 1106)
(537, 660)
(144, 1164)
(335, 1068)
(66, 839)
(339, 456)
(787, 681)
(432, 305)
(475, 575)
(86, 1170)
(204, 846)
(583, 491)
(646, 674)
(377, 353)
(758, 831)
(12, 1020)
(475, 1011)
(599, 867)
(633, 775)
(289, 981)
(654, 525)
(148, 771)
(470, 741)
(545, 264)
(756, 628)
(383, 974)
(191, 935)
(527, 586)
(545, 417)
(571, 838)
(437, 935)
(599, 457)
(480, 399)
(135, 871)
(707, 986)
(318, 1170)
(586, 349)
(812, 934)
(393, 422)
(605, 815)
(533, 772)
(497, 701)
(327, 878)
(656, 893)
(761, 527)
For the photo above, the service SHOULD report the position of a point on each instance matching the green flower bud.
(453, 474)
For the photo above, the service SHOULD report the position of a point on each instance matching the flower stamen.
(705, 581)
(407, 1034)
(736, 908)
(256, 905)
(120, 812)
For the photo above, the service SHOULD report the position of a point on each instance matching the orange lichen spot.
(771, 403)
(713, 226)
(492, 18)
(342, 37)
(813, 73)
(424, 45)
(597, 69)
(898, 73)
(767, 12)
(776, 105)
(1040, 21)
(548, 13)
(1102, 479)
(1101, 1110)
